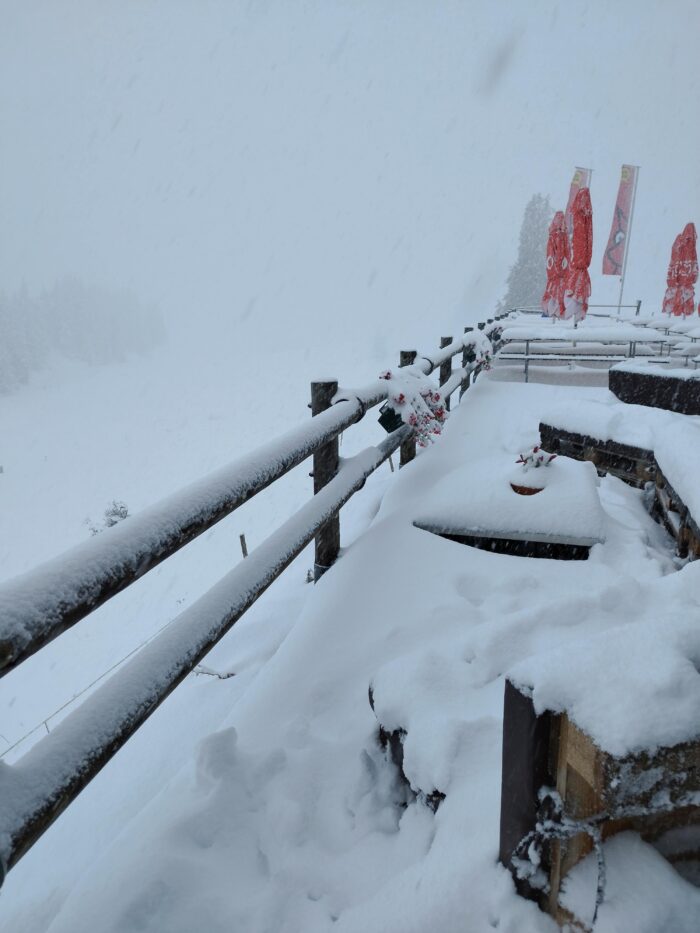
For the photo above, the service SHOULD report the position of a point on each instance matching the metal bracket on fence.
(352, 398)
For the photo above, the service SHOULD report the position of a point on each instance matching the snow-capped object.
(677, 450)
(478, 500)
(609, 419)
(588, 330)
(631, 688)
(406, 693)
(417, 402)
(658, 369)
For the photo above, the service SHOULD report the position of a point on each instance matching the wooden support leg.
(445, 368)
(467, 358)
(326, 462)
(408, 448)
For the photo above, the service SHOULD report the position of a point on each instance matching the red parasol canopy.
(558, 259)
(578, 282)
(682, 274)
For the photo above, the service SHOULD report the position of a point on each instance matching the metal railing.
(537, 309)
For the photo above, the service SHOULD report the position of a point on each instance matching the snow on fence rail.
(37, 789)
(38, 606)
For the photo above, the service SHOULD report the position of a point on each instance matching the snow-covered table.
(557, 341)
(613, 333)
(476, 505)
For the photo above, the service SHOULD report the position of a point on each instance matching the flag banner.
(614, 255)
(581, 179)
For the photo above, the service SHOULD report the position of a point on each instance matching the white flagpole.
(627, 238)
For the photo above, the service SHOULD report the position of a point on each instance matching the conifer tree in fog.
(528, 275)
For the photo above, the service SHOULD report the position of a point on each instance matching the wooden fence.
(39, 606)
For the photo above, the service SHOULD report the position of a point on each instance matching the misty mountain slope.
(79, 436)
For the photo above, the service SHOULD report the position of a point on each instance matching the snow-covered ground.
(262, 802)
(302, 188)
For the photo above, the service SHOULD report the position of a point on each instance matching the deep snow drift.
(291, 819)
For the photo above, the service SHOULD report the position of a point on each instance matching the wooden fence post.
(445, 368)
(326, 462)
(408, 448)
(467, 358)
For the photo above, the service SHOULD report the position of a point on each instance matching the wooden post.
(467, 358)
(326, 462)
(445, 368)
(408, 448)
(525, 770)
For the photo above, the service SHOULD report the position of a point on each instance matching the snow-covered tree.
(528, 275)
(73, 320)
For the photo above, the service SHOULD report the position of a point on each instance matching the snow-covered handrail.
(38, 606)
(37, 789)
(474, 339)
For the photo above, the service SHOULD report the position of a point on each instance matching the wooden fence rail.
(37, 607)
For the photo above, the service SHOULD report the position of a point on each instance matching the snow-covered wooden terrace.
(355, 781)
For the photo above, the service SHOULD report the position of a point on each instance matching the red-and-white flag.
(614, 255)
(581, 179)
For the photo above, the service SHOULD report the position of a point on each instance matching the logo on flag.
(581, 179)
(614, 255)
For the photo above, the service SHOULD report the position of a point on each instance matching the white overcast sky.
(260, 164)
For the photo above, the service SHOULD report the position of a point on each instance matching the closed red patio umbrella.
(558, 260)
(682, 274)
(578, 282)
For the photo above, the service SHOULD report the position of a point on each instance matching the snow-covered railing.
(38, 606)
(36, 790)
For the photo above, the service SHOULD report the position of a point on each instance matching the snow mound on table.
(630, 688)
(478, 499)
(659, 369)
(586, 332)
(612, 420)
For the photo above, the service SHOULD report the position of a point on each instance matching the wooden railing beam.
(37, 789)
(40, 605)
